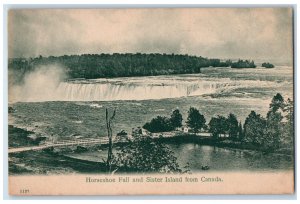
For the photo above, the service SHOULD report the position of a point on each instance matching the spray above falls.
(38, 85)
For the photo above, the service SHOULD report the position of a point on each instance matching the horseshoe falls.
(222, 82)
(128, 91)
(134, 88)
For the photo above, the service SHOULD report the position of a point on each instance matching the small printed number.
(24, 191)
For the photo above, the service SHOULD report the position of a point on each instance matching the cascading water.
(110, 91)
(40, 88)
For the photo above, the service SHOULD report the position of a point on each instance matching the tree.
(254, 128)
(164, 124)
(176, 119)
(274, 130)
(289, 126)
(109, 135)
(218, 125)
(214, 127)
(273, 133)
(195, 119)
(233, 126)
(159, 124)
(277, 103)
(145, 155)
(289, 109)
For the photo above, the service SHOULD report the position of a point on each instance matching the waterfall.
(111, 91)
(133, 88)
(48, 85)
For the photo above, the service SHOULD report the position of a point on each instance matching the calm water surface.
(220, 159)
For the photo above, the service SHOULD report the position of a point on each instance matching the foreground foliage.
(145, 155)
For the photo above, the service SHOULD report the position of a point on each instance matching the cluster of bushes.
(92, 66)
(270, 133)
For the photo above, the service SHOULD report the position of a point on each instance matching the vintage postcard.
(151, 101)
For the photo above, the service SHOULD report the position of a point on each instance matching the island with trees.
(91, 66)
(267, 65)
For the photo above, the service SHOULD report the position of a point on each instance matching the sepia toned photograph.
(150, 101)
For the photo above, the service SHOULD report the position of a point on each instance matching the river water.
(76, 108)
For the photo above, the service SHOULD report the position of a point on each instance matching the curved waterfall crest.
(134, 88)
(132, 91)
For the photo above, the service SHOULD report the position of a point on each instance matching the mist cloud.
(38, 85)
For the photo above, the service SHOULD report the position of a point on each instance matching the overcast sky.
(224, 33)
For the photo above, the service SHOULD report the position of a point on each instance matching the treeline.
(92, 66)
(274, 131)
(243, 64)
